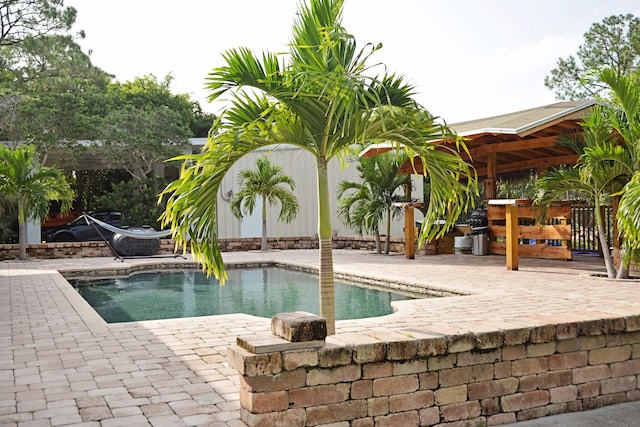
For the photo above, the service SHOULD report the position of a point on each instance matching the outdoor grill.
(479, 223)
(478, 219)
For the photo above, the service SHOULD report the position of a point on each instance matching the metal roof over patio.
(519, 141)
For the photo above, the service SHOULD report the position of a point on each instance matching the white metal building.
(300, 165)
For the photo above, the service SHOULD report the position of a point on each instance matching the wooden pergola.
(501, 145)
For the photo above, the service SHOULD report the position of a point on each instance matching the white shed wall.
(300, 165)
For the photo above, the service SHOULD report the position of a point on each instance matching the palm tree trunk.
(387, 241)
(623, 270)
(327, 303)
(263, 245)
(22, 232)
(378, 244)
(604, 244)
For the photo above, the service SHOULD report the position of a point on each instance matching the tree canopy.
(614, 44)
(24, 19)
(146, 125)
(55, 99)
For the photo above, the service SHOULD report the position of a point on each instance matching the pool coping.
(94, 322)
(97, 324)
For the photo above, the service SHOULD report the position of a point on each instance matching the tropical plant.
(364, 204)
(32, 186)
(267, 184)
(320, 99)
(626, 123)
(602, 165)
(608, 165)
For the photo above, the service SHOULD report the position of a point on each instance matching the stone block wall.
(100, 248)
(385, 378)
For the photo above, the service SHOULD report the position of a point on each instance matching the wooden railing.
(551, 239)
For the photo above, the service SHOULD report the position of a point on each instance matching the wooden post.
(409, 226)
(490, 181)
(617, 241)
(512, 236)
(511, 216)
(409, 232)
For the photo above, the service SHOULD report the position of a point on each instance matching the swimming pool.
(258, 291)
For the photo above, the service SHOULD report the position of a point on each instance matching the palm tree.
(609, 158)
(320, 99)
(362, 205)
(267, 183)
(599, 173)
(32, 186)
(626, 122)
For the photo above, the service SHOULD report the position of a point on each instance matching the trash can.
(462, 244)
(480, 237)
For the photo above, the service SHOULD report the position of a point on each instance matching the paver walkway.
(62, 365)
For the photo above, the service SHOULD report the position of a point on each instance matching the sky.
(468, 59)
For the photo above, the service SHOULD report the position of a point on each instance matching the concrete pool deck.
(60, 364)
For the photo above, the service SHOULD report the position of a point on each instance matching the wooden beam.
(512, 237)
(491, 181)
(563, 121)
(515, 145)
(409, 233)
(532, 164)
(409, 227)
(569, 159)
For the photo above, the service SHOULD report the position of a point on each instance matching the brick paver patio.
(60, 364)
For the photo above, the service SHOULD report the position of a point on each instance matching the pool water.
(257, 291)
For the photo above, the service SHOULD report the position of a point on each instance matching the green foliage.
(55, 99)
(364, 204)
(137, 140)
(136, 200)
(8, 219)
(91, 185)
(24, 19)
(201, 122)
(613, 44)
(145, 125)
(31, 186)
(269, 184)
(626, 123)
(608, 149)
(524, 188)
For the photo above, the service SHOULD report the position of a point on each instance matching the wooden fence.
(569, 228)
(551, 239)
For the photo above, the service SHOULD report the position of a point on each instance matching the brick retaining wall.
(100, 249)
(386, 378)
